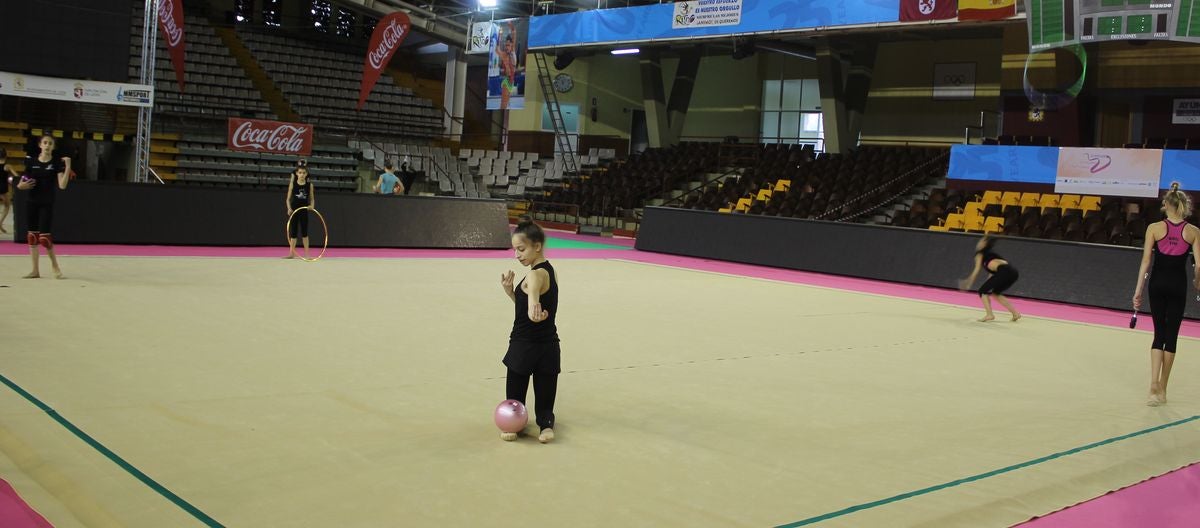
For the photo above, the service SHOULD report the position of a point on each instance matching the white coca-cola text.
(392, 35)
(166, 16)
(284, 138)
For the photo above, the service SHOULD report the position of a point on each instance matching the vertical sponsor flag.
(922, 10)
(388, 35)
(170, 21)
(986, 9)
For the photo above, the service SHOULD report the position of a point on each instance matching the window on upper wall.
(368, 26)
(321, 12)
(345, 23)
(791, 112)
(243, 11)
(270, 13)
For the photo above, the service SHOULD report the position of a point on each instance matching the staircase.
(570, 162)
(884, 216)
(163, 153)
(702, 180)
(257, 75)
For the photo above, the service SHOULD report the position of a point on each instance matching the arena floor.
(357, 391)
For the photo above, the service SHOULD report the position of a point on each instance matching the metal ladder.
(570, 163)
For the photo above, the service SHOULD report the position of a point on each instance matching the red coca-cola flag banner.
(170, 22)
(256, 135)
(388, 35)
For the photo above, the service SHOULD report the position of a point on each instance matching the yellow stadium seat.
(1030, 199)
(724, 210)
(1069, 201)
(783, 185)
(993, 224)
(973, 223)
(764, 195)
(991, 197)
(1090, 203)
(1048, 200)
(938, 228)
(973, 209)
(954, 221)
(1010, 198)
(742, 204)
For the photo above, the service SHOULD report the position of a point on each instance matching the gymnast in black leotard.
(1169, 241)
(1003, 276)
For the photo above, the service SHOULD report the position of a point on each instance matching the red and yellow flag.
(986, 9)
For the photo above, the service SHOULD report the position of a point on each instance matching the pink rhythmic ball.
(511, 416)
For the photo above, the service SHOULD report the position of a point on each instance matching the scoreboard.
(1057, 23)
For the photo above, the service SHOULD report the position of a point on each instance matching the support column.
(654, 100)
(455, 94)
(833, 109)
(858, 86)
(681, 90)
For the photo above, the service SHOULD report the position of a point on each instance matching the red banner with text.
(256, 135)
(388, 35)
(170, 24)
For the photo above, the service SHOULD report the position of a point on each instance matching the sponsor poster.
(170, 20)
(1109, 172)
(389, 33)
(125, 94)
(706, 13)
(480, 38)
(1185, 112)
(506, 64)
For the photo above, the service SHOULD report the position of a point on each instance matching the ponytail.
(530, 230)
(1179, 200)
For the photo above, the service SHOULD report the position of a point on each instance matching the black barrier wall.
(120, 213)
(1087, 274)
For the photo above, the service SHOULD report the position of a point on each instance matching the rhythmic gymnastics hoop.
(288, 231)
(1055, 100)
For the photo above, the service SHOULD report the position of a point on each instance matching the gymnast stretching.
(1003, 276)
(1170, 241)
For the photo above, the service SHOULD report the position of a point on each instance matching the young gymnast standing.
(1003, 276)
(533, 345)
(46, 176)
(1170, 241)
(300, 196)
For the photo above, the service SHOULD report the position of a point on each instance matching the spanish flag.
(986, 9)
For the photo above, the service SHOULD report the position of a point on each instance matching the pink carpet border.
(16, 513)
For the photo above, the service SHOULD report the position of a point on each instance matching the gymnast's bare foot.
(1016, 317)
(58, 274)
(289, 257)
(34, 275)
(987, 318)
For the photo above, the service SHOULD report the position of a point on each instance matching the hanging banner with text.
(481, 38)
(1185, 112)
(124, 94)
(707, 13)
(170, 22)
(388, 35)
(275, 137)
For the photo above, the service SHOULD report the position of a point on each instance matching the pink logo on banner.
(254, 135)
(170, 21)
(388, 35)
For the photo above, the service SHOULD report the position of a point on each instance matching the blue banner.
(654, 22)
(1039, 165)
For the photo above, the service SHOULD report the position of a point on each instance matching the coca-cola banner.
(170, 23)
(389, 33)
(256, 135)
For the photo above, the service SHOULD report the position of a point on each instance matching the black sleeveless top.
(301, 194)
(988, 257)
(526, 330)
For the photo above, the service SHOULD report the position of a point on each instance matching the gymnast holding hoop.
(300, 199)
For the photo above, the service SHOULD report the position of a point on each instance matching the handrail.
(877, 205)
(880, 187)
(155, 174)
(702, 186)
(438, 169)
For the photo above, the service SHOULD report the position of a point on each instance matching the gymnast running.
(533, 345)
(1003, 276)
(44, 177)
(1170, 241)
(299, 197)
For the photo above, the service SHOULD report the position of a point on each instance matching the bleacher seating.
(322, 85)
(206, 161)
(216, 85)
(628, 184)
(792, 182)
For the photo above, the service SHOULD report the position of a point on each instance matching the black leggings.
(1000, 281)
(299, 224)
(1166, 307)
(39, 217)
(545, 388)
